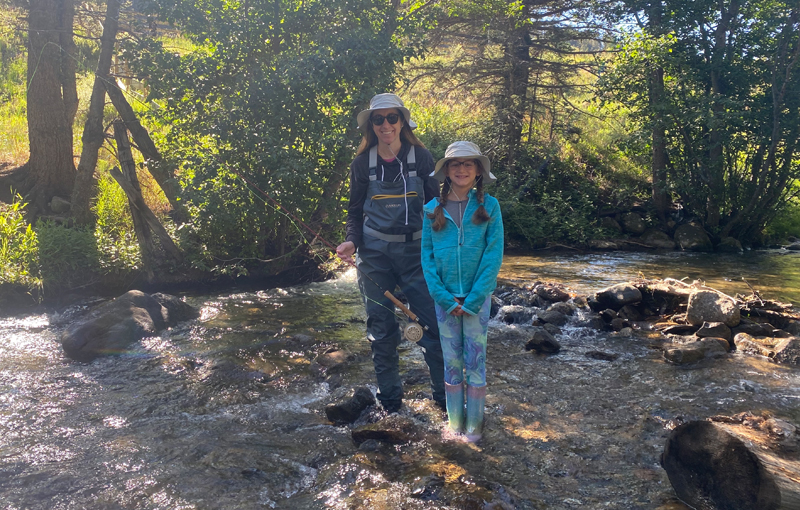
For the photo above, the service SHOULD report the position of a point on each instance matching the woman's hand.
(346, 250)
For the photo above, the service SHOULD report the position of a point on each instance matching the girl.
(462, 249)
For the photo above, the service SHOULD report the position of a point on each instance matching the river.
(227, 411)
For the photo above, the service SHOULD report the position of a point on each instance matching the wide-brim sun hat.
(463, 150)
(381, 101)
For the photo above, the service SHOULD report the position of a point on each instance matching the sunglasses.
(377, 120)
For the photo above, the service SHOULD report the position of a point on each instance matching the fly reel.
(413, 332)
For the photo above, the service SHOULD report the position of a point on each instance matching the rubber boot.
(476, 401)
(455, 406)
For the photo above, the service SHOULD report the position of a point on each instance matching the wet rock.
(657, 239)
(680, 329)
(752, 345)
(795, 246)
(692, 238)
(552, 317)
(632, 223)
(602, 245)
(788, 351)
(594, 304)
(630, 313)
(592, 322)
(626, 332)
(619, 324)
(113, 327)
(608, 315)
(714, 329)
(176, 310)
(348, 410)
(752, 328)
(563, 308)
(496, 305)
(230, 373)
(332, 359)
(515, 314)
(710, 306)
(394, 429)
(552, 329)
(793, 328)
(602, 356)
(618, 296)
(696, 351)
(542, 342)
(551, 292)
(729, 245)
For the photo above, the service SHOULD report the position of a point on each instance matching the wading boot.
(455, 406)
(476, 400)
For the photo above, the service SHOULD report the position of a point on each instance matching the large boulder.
(729, 245)
(348, 410)
(692, 238)
(632, 223)
(788, 351)
(609, 223)
(618, 296)
(112, 327)
(657, 239)
(710, 306)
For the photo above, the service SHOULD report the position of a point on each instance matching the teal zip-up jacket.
(463, 263)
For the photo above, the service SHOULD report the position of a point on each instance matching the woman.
(389, 183)
(462, 250)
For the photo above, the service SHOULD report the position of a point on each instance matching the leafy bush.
(68, 257)
(116, 243)
(18, 247)
(786, 224)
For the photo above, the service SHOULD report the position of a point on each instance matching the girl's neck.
(458, 193)
(389, 152)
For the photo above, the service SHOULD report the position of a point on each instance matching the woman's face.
(386, 131)
(462, 172)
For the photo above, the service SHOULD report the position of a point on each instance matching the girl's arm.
(486, 276)
(435, 286)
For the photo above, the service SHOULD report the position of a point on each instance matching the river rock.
(177, 310)
(618, 324)
(657, 239)
(515, 314)
(497, 304)
(788, 351)
(348, 410)
(752, 328)
(609, 223)
(394, 429)
(629, 313)
(602, 245)
(692, 238)
(563, 308)
(729, 245)
(543, 342)
(632, 223)
(112, 327)
(551, 292)
(696, 351)
(714, 329)
(552, 317)
(753, 345)
(602, 356)
(618, 296)
(793, 328)
(710, 306)
(795, 246)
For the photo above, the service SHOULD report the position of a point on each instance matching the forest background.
(683, 111)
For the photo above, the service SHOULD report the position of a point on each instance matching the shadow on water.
(228, 411)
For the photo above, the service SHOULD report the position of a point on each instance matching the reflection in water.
(227, 411)
(775, 274)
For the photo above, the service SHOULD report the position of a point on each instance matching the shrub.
(18, 247)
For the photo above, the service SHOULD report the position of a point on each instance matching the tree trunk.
(512, 101)
(50, 168)
(85, 183)
(155, 163)
(659, 162)
(733, 466)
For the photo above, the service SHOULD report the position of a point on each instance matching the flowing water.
(227, 411)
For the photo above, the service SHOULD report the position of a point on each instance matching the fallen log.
(738, 463)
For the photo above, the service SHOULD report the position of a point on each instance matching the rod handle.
(403, 307)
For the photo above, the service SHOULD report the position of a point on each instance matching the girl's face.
(386, 131)
(462, 172)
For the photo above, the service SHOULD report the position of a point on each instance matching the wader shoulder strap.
(411, 159)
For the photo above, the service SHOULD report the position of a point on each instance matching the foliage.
(269, 92)
(18, 247)
(68, 257)
(116, 244)
(731, 104)
(13, 125)
(786, 223)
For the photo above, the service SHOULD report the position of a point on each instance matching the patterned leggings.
(464, 345)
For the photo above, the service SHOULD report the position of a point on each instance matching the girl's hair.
(480, 216)
(370, 138)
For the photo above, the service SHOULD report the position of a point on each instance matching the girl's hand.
(458, 311)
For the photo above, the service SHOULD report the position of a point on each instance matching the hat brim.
(439, 170)
(363, 117)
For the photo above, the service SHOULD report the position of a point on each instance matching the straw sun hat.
(380, 102)
(463, 150)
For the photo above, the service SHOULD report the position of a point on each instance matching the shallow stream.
(227, 411)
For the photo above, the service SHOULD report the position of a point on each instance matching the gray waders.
(393, 260)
